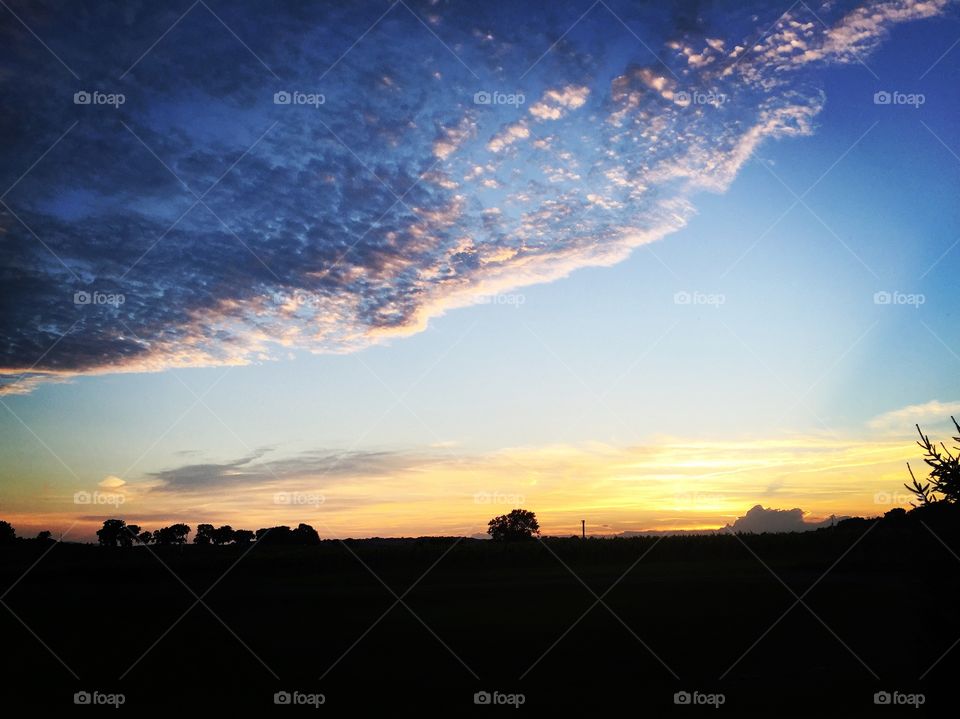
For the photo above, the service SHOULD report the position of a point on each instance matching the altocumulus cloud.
(201, 222)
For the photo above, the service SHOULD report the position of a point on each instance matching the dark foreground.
(703, 615)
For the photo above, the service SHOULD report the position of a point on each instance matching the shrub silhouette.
(944, 471)
(519, 525)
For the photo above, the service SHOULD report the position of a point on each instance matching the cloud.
(555, 103)
(758, 520)
(201, 224)
(902, 420)
(111, 482)
(254, 470)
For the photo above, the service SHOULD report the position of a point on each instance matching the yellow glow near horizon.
(672, 484)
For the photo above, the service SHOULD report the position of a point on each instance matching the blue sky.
(444, 327)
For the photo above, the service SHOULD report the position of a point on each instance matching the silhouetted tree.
(129, 535)
(305, 534)
(520, 524)
(242, 536)
(174, 534)
(222, 535)
(7, 533)
(44, 536)
(111, 532)
(944, 471)
(204, 534)
(145, 537)
(275, 535)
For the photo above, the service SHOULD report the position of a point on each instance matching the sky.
(393, 268)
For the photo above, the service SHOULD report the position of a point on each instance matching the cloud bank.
(759, 520)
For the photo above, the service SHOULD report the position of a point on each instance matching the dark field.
(483, 616)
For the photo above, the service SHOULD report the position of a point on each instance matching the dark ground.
(485, 614)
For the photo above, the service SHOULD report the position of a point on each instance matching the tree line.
(117, 533)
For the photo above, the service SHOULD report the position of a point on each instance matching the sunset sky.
(391, 269)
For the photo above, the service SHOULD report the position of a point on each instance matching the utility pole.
(583, 528)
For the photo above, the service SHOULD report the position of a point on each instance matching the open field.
(678, 614)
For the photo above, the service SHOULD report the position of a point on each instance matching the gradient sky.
(650, 296)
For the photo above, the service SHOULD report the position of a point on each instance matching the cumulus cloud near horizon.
(203, 222)
(759, 520)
